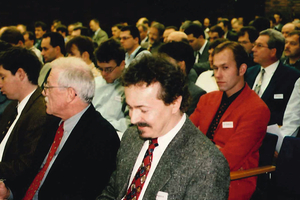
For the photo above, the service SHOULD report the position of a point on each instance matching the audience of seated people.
(272, 71)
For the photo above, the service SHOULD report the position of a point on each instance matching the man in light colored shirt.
(29, 39)
(271, 79)
(157, 97)
(21, 131)
(99, 34)
(87, 146)
(109, 97)
(130, 41)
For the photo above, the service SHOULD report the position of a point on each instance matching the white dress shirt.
(269, 71)
(163, 143)
(291, 117)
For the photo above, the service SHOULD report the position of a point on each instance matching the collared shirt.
(269, 71)
(20, 107)
(129, 58)
(69, 125)
(163, 143)
(200, 51)
(109, 101)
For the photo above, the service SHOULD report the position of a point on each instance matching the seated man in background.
(182, 54)
(83, 47)
(109, 97)
(234, 118)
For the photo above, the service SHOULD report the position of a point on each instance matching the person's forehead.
(293, 38)
(125, 33)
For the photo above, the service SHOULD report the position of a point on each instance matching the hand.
(4, 192)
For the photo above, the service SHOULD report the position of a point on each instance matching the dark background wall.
(109, 12)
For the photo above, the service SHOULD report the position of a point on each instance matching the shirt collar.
(271, 68)
(202, 48)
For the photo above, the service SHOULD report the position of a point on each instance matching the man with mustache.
(235, 119)
(164, 156)
(292, 50)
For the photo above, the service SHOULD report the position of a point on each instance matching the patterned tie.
(39, 177)
(138, 181)
(258, 85)
(213, 126)
(9, 123)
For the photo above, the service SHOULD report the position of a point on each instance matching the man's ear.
(21, 74)
(176, 104)
(243, 69)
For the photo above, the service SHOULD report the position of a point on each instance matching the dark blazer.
(278, 92)
(84, 165)
(21, 144)
(203, 63)
(196, 92)
(190, 168)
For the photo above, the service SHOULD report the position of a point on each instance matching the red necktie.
(138, 181)
(39, 177)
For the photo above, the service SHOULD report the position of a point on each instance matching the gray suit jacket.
(190, 168)
(100, 37)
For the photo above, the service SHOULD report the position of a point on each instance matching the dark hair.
(180, 51)
(18, 57)
(239, 53)
(119, 26)
(217, 29)
(40, 24)
(260, 23)
(83, 44)
(134, 31)
(295, 32)
(151, 69)
(12, 35)
(110, 49)
(62, 28)
(31, 35)
(226, 23)
(216, 42)
(83, 30)
(4, 45)
(194, 29)
(56, 39)
(252, 32)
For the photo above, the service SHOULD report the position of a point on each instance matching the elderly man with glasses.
(109, 95)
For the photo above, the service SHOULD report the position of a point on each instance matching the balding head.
(287, 28)
(177, 36)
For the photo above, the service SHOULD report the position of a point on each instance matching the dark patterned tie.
(138, 181)
(39, 177)
(213, 126)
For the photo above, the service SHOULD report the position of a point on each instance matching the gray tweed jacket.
(190, 168)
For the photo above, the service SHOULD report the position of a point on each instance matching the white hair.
(75, 73)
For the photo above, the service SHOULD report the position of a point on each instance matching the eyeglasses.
(107, 70)
(46, 87)
(260, 45)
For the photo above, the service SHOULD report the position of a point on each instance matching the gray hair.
(276, 40)
(75, 73)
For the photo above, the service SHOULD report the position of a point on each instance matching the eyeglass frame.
(107, 70)
(46, 87)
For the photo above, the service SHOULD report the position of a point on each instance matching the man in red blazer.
(234, 118)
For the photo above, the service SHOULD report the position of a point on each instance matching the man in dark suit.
(181, 54)
(196, 38)
(23, 120)
(272, 81)
(183, 164)
(78, 162)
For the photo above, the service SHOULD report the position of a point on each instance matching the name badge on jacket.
(162, 196)
(227, 125)
(278, 96)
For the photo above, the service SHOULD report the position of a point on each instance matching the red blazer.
(239, 133)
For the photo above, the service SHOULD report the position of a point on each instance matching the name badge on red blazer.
(227, 125)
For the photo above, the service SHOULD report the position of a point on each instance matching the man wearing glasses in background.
(109, 94)
(130, 41)
(270, 79)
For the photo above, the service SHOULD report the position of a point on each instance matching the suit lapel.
(252, 74)
(269, 91)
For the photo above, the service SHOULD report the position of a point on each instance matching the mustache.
(142, 124)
